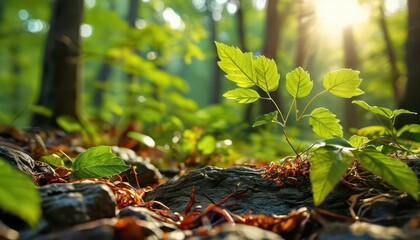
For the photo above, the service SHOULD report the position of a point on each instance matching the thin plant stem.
(309, 103)
(290, 108)
(288, 141)
(277, 107)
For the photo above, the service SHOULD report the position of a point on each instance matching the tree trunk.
(17, 78)
(272, 39)
(242, 45)
(217, 82)
(352, 115)
(103, 75)
(133, 13)
(1, 10)
(60, 90)
(241, 26)
(395, 74)
(303, 53)
(410, 100)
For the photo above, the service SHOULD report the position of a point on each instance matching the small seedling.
(97, 161)
(329, 161)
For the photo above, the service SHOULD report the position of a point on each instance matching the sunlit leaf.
(266, 73)
(372, 130)
(358, 141)
(42, 110)
(392, 170)
(343, 83)
(397, 112)
(142, 138)
(207, 145)
(337, 141)
(242, 95)
(386, 112)
(52, 159)
(327, 167)
(265, 119)
(97, 161)
(325, 124)
(69, 124)
(238, 66)
(298, 83)
(411, 128)
(18, 194)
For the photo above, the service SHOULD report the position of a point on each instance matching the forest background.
(150, 66)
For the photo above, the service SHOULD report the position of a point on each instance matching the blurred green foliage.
(161, 69)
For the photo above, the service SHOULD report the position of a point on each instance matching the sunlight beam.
(334, 16)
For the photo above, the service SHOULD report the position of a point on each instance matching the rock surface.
(144, 214)
(24, 162)
(147, 173)
(99, 230)
(359, 231)
(228, 231)
(213, 184)
(66, 205)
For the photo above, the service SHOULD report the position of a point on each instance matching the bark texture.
(352, 115)
(410, 100)
(60, 90)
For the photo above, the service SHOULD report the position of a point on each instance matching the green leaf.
(18, 194)
(242, 95)
(327, 167)
(298, 83)
(42, 110)
(397, 112)
(52, 159)
(267, 74)
(386, 112)
(265, 119)
(325, 124)
(97, 162)
(358, 141)
(411, 128)
(207, 145)
(392, 170)
(69, 124)
(141, 138)
(337, 142)
(238, 66)
(372, 130)
(343, 83)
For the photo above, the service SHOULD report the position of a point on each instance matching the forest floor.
(259, 201)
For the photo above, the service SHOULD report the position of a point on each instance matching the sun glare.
(334, 15)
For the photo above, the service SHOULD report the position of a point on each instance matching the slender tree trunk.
(60, 91)
(17, 81)
(102, 77)
(305, 24)
(301, 41)
(133, 13)
(395, 74)
(241, 26)
(274, 22)
(1, 10)
(410, 100)
(352, 115)
(240, 23)
(217, 82)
